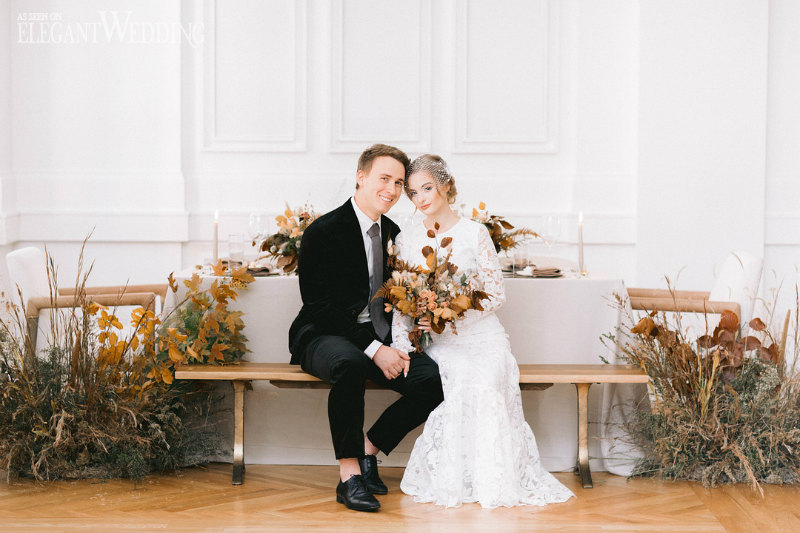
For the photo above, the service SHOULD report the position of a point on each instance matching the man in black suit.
(343, 337)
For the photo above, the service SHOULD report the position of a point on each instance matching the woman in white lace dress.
(476, 446)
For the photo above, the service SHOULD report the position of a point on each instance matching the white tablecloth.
(548, 321)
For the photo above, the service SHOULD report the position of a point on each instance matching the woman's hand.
(425, 324)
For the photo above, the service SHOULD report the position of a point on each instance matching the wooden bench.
(531, 377)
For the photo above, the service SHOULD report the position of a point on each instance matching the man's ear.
(360, 177)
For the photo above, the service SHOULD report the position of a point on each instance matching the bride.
(476, 445)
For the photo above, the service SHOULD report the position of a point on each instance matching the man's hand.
(392, 361)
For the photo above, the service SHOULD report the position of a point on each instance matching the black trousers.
(338, 362)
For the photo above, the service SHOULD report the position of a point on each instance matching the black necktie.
(376, 312)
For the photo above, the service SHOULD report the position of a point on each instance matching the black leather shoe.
(355, 495)
(369, 470)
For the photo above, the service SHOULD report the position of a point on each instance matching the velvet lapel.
(355, 244)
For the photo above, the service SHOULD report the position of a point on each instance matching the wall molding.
(341, 143)
(212, 142)
(74, 226)
(85, 191)
(547, 144)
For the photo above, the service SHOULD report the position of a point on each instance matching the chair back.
(738, 280)
(27, 269)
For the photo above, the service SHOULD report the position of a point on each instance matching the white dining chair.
(27, 268)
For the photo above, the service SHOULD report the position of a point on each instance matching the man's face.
(380, 188)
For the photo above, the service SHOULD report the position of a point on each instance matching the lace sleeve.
(401, 324)
(490, 274)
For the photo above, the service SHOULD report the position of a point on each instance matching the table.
(547, 320)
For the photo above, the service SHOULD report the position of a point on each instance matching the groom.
(343, 337)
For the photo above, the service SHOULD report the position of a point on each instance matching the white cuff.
(372, 349)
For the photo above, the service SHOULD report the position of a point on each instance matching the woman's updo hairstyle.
(437, 168)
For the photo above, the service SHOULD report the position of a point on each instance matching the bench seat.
(531, 377)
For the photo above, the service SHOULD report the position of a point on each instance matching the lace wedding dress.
(476, 445)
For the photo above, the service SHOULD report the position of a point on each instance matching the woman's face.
(425, 195)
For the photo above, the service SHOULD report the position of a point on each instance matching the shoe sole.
(339, 499)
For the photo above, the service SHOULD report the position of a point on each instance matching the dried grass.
(724, 408)
(88, 405)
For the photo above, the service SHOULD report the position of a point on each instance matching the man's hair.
(380, 150)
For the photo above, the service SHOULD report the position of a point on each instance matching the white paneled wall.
(702, 134)
(673, 125)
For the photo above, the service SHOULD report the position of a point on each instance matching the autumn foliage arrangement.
(504, 235)
(437, 291)
(725, 407)
(284, 245)
(99, 402)
(201, 328)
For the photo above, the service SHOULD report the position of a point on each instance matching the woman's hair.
(437, 168)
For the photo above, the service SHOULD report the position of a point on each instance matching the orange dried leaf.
(771, 354)
(426, 251)
(398, 292)
(241, 274)
(446, 242)
(219, 269)
(481, 206)
(729, 321)
(461, 301)
(174, 354)
(750, 343)
(172, 283)
(193, 283)
(191, 353)
(646, 326)
(431, 234)
(216, 352)
(166, 375)
(431, 261)
(706, 341)
(757, 324)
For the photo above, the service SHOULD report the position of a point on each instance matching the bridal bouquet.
(285, 243)
(437, 291)
(498, 228)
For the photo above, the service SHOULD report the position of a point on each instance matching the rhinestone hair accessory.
(434, 166)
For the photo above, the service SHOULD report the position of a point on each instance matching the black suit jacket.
(334, 280)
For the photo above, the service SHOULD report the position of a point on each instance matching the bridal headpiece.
(433, 165)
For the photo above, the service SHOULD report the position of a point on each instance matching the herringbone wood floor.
(299, 498)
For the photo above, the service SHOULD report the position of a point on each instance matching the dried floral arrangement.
(501, 230)
(437, 291)
(97, 403)
(201, 328)
(284, 245)
(725, 407)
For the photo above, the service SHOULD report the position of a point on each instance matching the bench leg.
(583, 434)
(238, 432)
